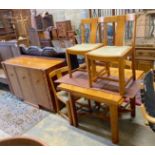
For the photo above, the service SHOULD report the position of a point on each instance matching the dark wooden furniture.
(22, 21)
(34, 37)
(44, 38)
(63, 27)
(8, 49)
(145, 56)
(54, 33)
(44, 21)
(14, 24)
(78, 86)
(39, 38)
(7, 29)
(29, 81)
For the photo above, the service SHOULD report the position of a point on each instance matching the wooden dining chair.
(61, 97)
(148, 99)
(118, 53)
(84, 47)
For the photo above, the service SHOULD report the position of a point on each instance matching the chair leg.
(93, 67)
(97, 105)
(133, 106)
(57, 105)
(114, 123)
(89, 71)
(121, 77)
(107, 68)
(89, 105)
(69, 64)
(69, 113)
(133, 65)
(73, 110)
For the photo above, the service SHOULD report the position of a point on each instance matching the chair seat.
(86, 47)
(110, 51)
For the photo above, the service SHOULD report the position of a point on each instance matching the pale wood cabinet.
(29, 81)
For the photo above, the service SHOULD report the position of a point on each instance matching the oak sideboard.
(28, 79)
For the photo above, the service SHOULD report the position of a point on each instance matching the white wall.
(75, 15)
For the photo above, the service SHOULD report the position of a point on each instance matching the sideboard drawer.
(144, 65)
(145, 53)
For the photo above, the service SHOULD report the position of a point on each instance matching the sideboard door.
(26, 85)
(13, 84)
(41, 89)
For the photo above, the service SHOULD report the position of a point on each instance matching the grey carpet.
(16, 117)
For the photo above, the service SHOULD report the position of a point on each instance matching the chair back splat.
(118, 29)
(93, 24)
(120, 24)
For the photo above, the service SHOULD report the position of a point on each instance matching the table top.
(34, 62)
(80, 79)
(85, 47)
(110, 51)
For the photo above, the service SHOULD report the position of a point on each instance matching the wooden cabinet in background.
(29, 81)
(145, 57)
(44, 21)
(7, 29)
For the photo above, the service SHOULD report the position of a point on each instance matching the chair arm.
(146, 115)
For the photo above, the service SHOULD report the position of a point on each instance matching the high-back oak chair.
(118, 53)
(83, 48)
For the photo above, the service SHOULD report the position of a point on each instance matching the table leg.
(73, 110)
(114, 123)
(121, 76)
(69, 64)
(133, 107)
